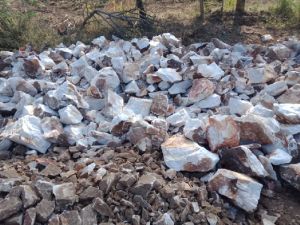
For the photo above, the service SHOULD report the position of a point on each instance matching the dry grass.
(180, 17)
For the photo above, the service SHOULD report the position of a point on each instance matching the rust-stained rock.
(222, 131)
(241, 189)
(241, 159)
(201, 89)
(160, 105)
(291, 174)
(182, 154)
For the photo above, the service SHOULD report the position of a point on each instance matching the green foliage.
(13, 24)
(284, 8)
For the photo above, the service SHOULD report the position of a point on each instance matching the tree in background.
(201, 2)
(240, 7)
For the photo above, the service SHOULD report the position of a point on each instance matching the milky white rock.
(74, 133)
(132, 88)
(114, 103)
(238, 106)
(46, 61)
(210, 102)
(212, 71)
(143, 43)
(27, 131)
(70, 115)
(241, 189)
(180, 87)
(139, 106)
(195, 130)
(289, 113)
(100, 41)
(276, 88)
(260, 75)
(118, 64)
(130, 72)
(279, 157)
(168, 75)
(267, 37)
(182, 154)
(179, 118)
(260, 110)
(290, 129)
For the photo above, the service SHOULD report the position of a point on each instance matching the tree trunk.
(201, 9)
(240, 6)
(141, 8)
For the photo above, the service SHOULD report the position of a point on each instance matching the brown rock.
(70, 217)
(9, 206)
(292, 95)
(31, 67)
(100, 206)
(54, 220)
(65, 194)
(15, 220)
(90, 193)
(29, 216)
(44, 210)
(88, 215)
(160, 105)
(222, 132)
(144, 185)
(291, 174)
(29, 196)
(201, 89)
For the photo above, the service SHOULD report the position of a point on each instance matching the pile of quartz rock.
(122, 121)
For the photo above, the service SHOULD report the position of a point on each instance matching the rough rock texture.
(241, 189)
(182, 154)
(149, 131)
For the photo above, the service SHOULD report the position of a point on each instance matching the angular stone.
(276, 88)
(279, 157)
(114, 104)
(54, 220)
(29, 196)
(291, 174)
(242, 160)
(107, 78)
(201, 89)
(238, 106)
(44, 210)
(15, 220)
(53, 130)
(130, 72)
(212, 71)
(139, 106)
(88, 215)
(65, 194)
(165, 219)
(288, 113)
(180, 87)
(101, 207)
(179, 118)
(44, 188)
(241, 189)
(90, 193)
(70, 217)
(195, 130)
(182, 154)
(211, 101)
(279, 51)
(144, 185)
(27, 131)
(70, 115)
(160, 105)
(9, 206)
(132, 88)
(30, 217)
(292, 95)
(168, 75)
(260, 75)
(257, 129)
(222, 131)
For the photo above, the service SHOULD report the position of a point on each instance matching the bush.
(286, 9)
(13, 24)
